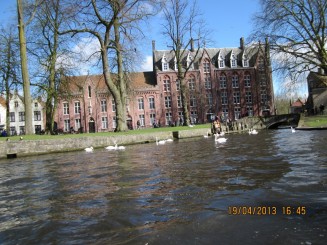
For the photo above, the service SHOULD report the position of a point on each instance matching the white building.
(17, 115)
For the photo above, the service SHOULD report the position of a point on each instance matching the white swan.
(219, 139)
(293, 130)
(253, 131)
(169, 140)
(160, 142)
(89, 149)
(115, 147)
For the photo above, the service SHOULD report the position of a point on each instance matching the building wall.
(261, 97)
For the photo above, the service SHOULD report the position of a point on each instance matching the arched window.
(166, 84)
(233, 61)
(235, 83)
(247, 80)
(191, 83)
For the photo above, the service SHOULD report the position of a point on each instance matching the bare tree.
(24, 69)
(297, 33)
(182, 23)
(113, 23)
(9, 66)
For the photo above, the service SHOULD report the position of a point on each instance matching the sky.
(228, 21)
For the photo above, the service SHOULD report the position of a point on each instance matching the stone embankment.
(19, 148)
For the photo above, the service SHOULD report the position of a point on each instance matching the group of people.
(216, 126)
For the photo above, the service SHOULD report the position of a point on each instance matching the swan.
(89, 149)
(253, 131)
(160, 142)
(293, 130)
(169, 140)
(219, 140)
(115, 147)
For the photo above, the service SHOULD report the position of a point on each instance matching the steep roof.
(213, 53)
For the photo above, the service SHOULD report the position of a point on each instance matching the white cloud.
(147, 64)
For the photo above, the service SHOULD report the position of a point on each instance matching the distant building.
(317, 88)
(297, 106)
(229, 82)
(17, 115)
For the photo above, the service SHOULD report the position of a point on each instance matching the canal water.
(269, 188)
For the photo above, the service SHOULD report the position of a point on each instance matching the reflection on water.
(177, 193)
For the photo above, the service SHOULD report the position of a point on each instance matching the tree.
(47, 49)
(24, 69)
(297, 33)
(9, 66)
(113, 23)
(181, 23)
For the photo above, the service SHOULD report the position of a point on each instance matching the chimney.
(192, 45)
(153, 45)
(242, 43)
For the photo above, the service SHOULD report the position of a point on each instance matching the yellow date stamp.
(267, 210)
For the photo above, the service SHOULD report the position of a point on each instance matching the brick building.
(229, 82)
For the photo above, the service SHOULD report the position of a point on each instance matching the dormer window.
(164, 63)
(16, 103)
(190, 63)
(233, 61)
(245, 61)
(221, 62)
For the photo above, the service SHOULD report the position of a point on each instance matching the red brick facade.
(229, 82)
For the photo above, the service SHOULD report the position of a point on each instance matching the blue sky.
(228, 20)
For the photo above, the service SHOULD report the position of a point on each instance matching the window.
(152, 118)
(192, 100)
(113, 105)
(247, 80)
(151, 103)
(191, 83)
(140, 103)
(166, 83)
(36, 104)
(77, 107)
(104, 106)
(89, 91)
(66, 108)
(237, 112)
(168, 118)
(179, 101)
(263, 82)
(37, 115)
(248, 97)
(12, 116)
(190, 63)
(236, 97)
(206, 66)
(223, 81)
(21, 130)
(37, 129)
(164, 63)
(142, 120)
(209, 99)
(225, 112)
(221, 61)
(178, 85)
(207, 83)
(16, 103)
(194, 117)
(21, 116)
(263, 96)
(224, 98)
(104, 122)
(13, 131)
(77, 124)
(167, 102)
(235, 81)
(249, 110)
(261, 64)
(233, 61)
(66, 125)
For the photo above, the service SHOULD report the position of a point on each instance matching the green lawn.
(130, 132)
(315, 121)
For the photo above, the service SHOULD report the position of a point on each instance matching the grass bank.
(316, 121)
(107, 134)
